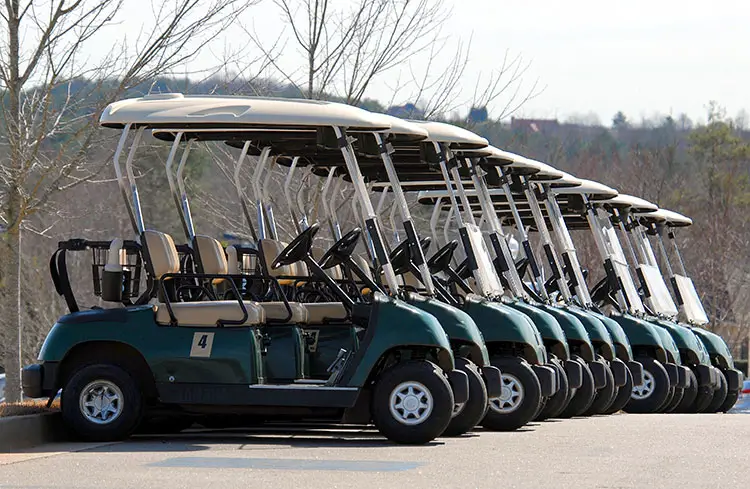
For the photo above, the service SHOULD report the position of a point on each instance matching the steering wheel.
(441, 260)
(341, 249)
(522, 265)
(298, 249)
(400, 258)
(599, 290)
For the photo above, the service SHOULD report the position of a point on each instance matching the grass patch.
(27, 407)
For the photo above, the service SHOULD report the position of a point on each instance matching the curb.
(19, 432)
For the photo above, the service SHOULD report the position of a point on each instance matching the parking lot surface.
(619, 451)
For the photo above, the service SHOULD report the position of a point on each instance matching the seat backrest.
(271, 249)
(211, 254)
(162, 252)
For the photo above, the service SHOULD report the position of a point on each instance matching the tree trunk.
(10, 319)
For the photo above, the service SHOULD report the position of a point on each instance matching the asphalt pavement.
(618, 451)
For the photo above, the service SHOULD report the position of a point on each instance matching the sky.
(645, 58)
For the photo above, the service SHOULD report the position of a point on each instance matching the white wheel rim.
(101, 402)
(644, 390)
(511, 396)
(411, 403)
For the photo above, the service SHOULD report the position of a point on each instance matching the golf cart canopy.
(670, 218)
(174, 110)
(633, 204)
(595, 191)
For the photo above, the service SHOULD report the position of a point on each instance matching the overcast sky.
(643, 57)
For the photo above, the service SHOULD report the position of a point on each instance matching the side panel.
(458, 325)
(502, 324)
(619, 338)
(396, 324)
(548, 325)
(685, 340)
(716, 346)
(225, 355)
(642, 334)
(598, 333)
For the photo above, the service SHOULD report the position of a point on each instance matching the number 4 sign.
(202, 344)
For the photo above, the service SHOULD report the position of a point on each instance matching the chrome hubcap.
(411, 403)
(511, 395)
(644, 390)
(101, 402)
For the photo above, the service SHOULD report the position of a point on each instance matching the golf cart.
(154, 352)
(466, 340)
(691, 309)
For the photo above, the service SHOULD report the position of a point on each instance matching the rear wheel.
(520, 397)
(555, 404)
(623, 395)
(668, 400)
(649, 396)
(583, 396)
(412, 402)
(702, 399)
(467, 415)
(604, 396)
(720, 395)
(101, 403)
(688, 395)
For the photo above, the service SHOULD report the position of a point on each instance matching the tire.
(675, 402)
(720, 395)
(668, 401)
(583, 396)
(730, 401)
(623, 395)
(651, 395)
(688, 395)
(472, 411)
(702, 399)
(555, 404)
(412, 402)
(522, 394)
(101, 403)
(604, 396)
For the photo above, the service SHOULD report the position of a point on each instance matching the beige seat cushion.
(207, 314)
(278, 311)
(162, 252)
(319, 312)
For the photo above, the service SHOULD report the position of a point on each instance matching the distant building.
(544, 126)
(406, 111)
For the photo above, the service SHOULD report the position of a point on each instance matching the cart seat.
(207, 314)
(333, 272)
(270, 249)
(278, 311)
(321, 312)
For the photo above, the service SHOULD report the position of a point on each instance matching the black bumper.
(734, 379)
(636, 371)
(672, 373)
(597, 370)
(547, 379)
(619, 371)
(460, 385)
(574, 372)
(706, 375)
(39, 380)
(493, 381)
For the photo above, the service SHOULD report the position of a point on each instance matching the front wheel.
(555, 404)
(730, 401)
(412, 402)
(467, 415)
(623, 395)
(520, 397)
(583, 396)
(688, 395)
(720, 395)
(675, 402)
(649, 396)
(101, 403)
(604, 396)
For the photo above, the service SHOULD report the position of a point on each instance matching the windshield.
(692, 307)
(485, 275)
(659, 298)
(620, 264)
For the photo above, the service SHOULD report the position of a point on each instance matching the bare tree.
(52, 97)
